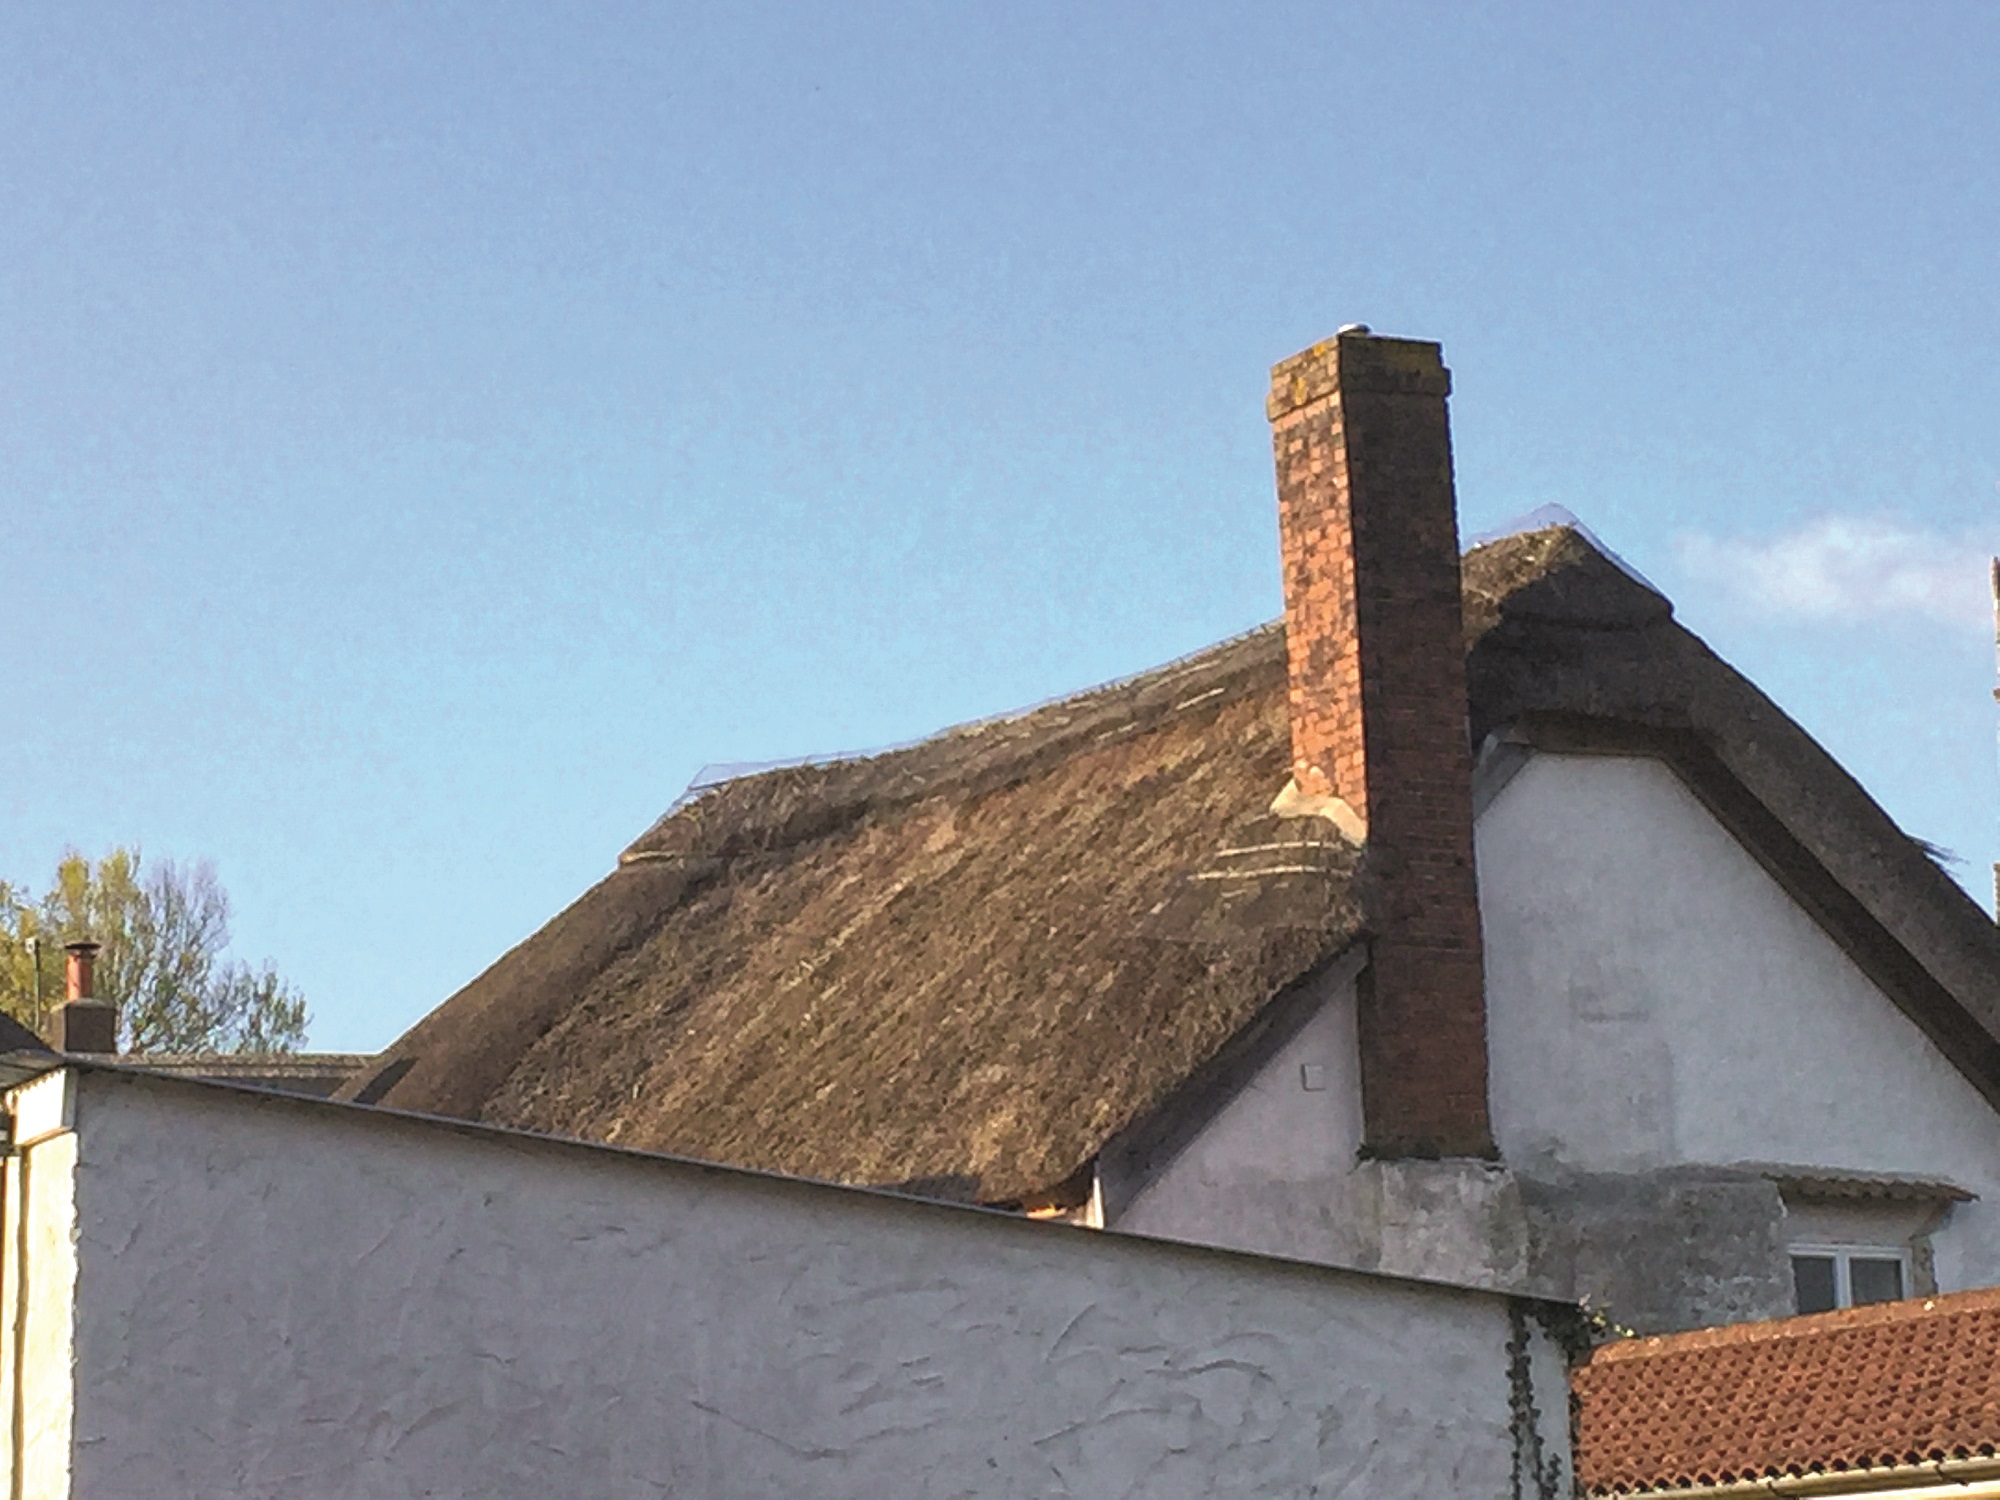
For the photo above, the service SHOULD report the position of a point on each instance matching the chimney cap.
(1352, 328)
(1356, 362)
(82, 945)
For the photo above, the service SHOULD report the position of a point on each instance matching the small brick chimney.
(85, 1023)
(1376, 641)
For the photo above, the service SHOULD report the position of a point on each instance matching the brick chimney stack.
(85, 1023)
(1376, 642)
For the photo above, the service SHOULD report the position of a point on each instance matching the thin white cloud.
(1852, 568)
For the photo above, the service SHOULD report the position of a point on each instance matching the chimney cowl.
(82, 975)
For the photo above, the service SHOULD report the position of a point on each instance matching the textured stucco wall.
(1658, 1001)
(280, 1298)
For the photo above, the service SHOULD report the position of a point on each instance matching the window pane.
(1875, 1279)
(1812, 1279)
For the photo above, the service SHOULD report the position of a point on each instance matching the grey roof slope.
(966, 965)
(15, 1037)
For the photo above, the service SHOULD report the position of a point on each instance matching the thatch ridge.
(794, 803)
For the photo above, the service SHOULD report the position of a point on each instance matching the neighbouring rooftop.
(1867, 1388)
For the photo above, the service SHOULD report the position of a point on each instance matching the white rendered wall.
(1269, 1169)
(1654, 998)
(38, 1273)
(1276, 1171)
(278, 1297)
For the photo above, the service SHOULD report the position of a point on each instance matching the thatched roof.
(965, 965)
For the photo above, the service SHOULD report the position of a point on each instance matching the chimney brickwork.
(1376, 643)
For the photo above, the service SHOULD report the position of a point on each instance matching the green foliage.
(163, 928)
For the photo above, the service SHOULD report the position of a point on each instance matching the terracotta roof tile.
(1896, 1383)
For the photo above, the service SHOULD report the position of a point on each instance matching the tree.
(163, 929)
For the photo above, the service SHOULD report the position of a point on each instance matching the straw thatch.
(965, 965)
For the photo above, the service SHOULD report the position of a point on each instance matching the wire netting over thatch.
(969, 962)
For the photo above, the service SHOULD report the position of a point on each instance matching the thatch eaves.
(966, 965)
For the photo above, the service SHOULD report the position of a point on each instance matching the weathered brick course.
(1376, 648)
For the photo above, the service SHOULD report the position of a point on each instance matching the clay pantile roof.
(1831, 1184)
(1867, 1387)
(966, 965)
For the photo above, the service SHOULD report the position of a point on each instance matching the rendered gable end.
(1665, 1024)
(1665, 1017)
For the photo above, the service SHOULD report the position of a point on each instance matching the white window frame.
(1841, 1255)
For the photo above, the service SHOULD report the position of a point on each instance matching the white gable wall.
(1656, 999)
(1655, 1002)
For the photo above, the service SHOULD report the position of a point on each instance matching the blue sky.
(429, 434)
